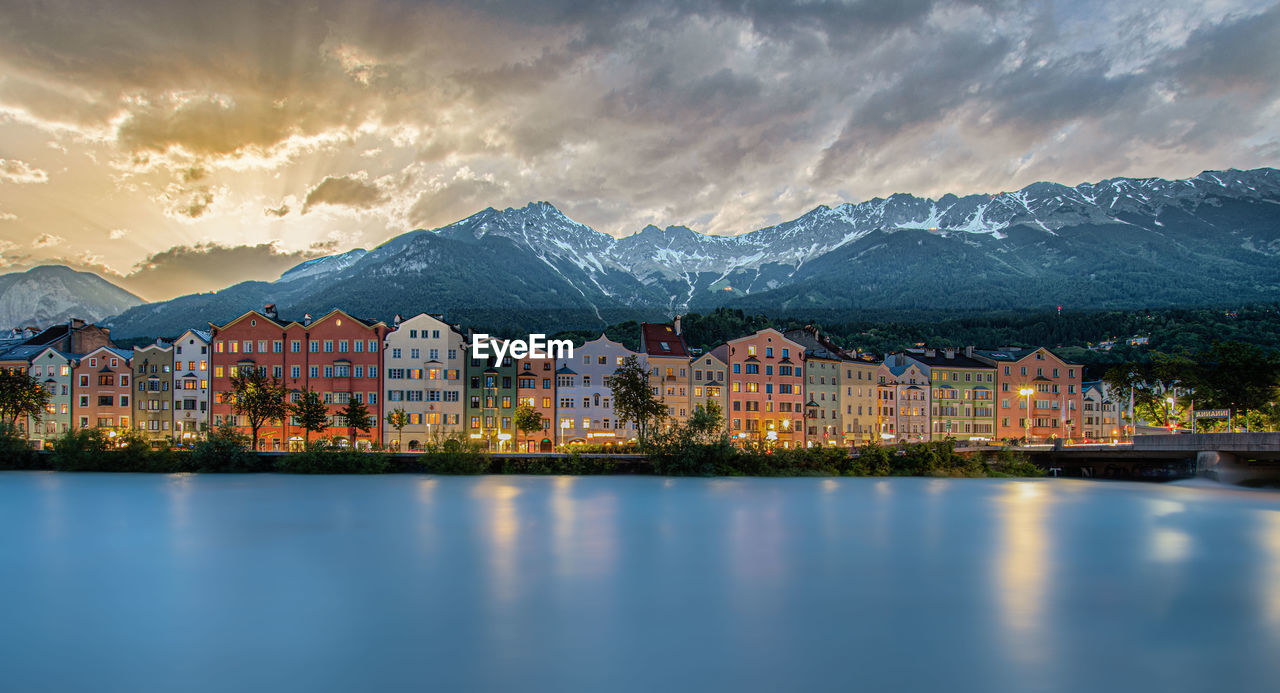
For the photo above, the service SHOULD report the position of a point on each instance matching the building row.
(787, 389)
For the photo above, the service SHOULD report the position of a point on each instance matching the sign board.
(1213, 413)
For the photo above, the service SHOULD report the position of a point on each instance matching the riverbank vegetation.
(689, 450)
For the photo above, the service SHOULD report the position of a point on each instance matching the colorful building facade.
(905, 400)
(102, 390)
(709, 380)
(962, 393)
(859, 399)
(53, 369)
(585, 408)
(766, 390)
(425, 361)
(491, 402)
(153, 390)
(668, 360)
(1038, 395)
(536, 387)
(338, 356)
(191, 386)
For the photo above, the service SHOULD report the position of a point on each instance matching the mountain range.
(49, 294)
(1123, 242)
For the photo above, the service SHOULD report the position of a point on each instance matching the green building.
(491, 402)
(963, 393)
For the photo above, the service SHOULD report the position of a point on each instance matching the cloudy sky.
(181, 146)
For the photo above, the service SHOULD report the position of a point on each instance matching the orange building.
(1052, 386)
(536, 386)
(668, 359)
(766, 389)
(338, 356)
(101, 385)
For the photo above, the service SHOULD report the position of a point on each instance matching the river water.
(264, 582)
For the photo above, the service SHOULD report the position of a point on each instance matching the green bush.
(572, 464)
(1010, 462)
(333, 461)
(15, 451)
(94, 450)
(460, 462)
(684, 458)
(224, 450)
(81, 449)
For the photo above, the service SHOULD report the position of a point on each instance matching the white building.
(1103, 414)
(190, 386)
(585, 402)
(423, 362)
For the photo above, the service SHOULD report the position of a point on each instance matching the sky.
(178, 146)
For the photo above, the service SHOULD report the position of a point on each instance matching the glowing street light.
(1026, 392)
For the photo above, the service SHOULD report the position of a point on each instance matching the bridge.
(1237, 458)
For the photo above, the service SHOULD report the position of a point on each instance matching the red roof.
(661, 340)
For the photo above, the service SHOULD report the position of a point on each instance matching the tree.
(1236, 376)
(706, 424)
(528, 419)
(633, 397)
(397, 418)
(258, 398)
(357, 415)
(21, 395)
(1150, 383)
(311, 413)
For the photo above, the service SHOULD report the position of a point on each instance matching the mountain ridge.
(48, 294)
(1114, 242)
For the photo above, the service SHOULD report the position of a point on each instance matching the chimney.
(950, 353)
(269, 310)
(396, 320)
(930, 352)
(968, 351)
(306, 319)
(675, 324)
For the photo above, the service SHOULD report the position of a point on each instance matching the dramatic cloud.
(47, 240)
(244, 122)
(117, 234)
(205, 267)
(14, 171)
(343, 191)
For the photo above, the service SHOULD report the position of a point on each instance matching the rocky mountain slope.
(49, 294)
(1121, 242)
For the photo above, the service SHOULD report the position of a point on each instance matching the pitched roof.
(1015, 354)
(660, 339)
(26, 351)
(940, 359)
(285, 324)
(897, 369)
(814, 345)
(125, 354)
(50, 334)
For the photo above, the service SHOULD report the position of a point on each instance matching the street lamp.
(1026, 392)
(1171, 411)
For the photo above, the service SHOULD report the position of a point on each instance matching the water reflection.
(1022, 569)
(1168, 544)
(633, 584)
(502, 525)
(1268, 538)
